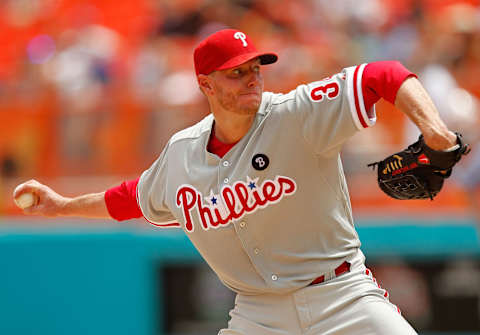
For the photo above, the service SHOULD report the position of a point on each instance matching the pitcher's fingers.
(26, 187)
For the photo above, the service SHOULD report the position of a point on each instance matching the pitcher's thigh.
(370, 315)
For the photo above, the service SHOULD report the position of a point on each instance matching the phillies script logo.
(233, 202)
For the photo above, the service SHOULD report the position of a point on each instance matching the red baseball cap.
(226, 49)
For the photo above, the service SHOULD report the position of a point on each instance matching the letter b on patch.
(260, 162)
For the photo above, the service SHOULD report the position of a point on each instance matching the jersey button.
(226, 180)
(242, 224)
(226, 163)
(274, 277)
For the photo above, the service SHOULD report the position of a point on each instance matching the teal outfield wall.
(101, 280)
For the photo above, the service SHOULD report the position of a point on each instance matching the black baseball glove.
(418, 171)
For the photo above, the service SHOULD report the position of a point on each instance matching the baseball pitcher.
(258, 187)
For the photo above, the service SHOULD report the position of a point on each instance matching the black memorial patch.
(260, 162)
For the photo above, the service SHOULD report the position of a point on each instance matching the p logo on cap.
(226, 49)
(241, 36)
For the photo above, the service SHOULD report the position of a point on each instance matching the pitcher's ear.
(205, 83)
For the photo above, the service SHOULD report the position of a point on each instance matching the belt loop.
(330, 275)
(340, 270)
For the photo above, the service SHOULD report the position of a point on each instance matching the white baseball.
(25, 200)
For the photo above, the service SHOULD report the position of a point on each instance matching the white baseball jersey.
(274, 213)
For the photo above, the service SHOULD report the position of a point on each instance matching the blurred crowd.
(97, 87)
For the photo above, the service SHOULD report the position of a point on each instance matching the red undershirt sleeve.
(382, 80)
(121, 201)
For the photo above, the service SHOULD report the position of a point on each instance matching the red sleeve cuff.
(121, 201)
(382, 80)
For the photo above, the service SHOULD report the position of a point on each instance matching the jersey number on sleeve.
(330, 90)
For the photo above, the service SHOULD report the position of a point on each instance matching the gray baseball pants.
(350, 304)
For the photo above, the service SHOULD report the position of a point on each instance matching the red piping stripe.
(167, 225)
(357, 104)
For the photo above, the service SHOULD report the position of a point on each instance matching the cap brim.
(265, 58)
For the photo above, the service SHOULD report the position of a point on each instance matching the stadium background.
(90, 91)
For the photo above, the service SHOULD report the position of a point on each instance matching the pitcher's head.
(227, 65)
